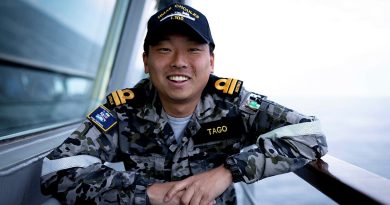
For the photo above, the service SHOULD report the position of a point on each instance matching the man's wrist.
(147, 200)
(231, 165)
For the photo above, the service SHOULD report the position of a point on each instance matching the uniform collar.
(205, 111)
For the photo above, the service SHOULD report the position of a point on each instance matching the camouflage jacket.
(227, 119)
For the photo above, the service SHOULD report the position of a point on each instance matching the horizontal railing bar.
(346, 183)
(44, 66)
(23, 134)
(18, 154)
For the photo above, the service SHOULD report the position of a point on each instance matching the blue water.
(357, 130)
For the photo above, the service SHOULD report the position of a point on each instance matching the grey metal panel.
(22, 186)
(19, 154)
(21, 162)
(110, 52)
(128, 67)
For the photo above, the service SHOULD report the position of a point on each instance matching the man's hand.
(156, 193)
(201, 188)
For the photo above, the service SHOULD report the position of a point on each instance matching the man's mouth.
(178, 78)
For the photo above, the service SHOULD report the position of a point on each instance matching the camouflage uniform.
(227, 119)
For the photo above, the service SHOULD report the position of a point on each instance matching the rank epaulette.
(123, 96)
(226, 86)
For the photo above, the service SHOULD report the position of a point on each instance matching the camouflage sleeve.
(79, 171)
(286, 141)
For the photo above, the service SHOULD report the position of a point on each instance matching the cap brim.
(172, 27)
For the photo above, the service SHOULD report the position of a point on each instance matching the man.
(175, 138)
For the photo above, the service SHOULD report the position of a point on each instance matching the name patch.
(227, 128)
(102, 118)
(217, 130)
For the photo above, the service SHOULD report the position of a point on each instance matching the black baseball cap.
(178, 16)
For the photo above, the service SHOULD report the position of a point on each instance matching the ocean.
(357, 131)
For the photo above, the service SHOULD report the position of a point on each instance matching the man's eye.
(164, 50)
(194, 50)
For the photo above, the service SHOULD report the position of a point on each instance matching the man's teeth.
(178, 78)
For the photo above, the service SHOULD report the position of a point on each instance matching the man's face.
(179, 68)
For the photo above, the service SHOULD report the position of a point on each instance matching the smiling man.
(177, 136)
(179, 65)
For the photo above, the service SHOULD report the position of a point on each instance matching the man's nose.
(179, 60)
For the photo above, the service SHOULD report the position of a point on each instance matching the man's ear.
(212, 63)
(145, 59)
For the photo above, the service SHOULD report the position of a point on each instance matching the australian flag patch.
(102, 118)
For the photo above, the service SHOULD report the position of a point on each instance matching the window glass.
(49, 56)
(65, 33)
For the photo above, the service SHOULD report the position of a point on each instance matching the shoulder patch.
(228, 86)
(120, 97)
(102, 118)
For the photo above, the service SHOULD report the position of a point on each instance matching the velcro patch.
(102, 118)
(252, 103)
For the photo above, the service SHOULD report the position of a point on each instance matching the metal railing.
(346, 183)
(341, 181)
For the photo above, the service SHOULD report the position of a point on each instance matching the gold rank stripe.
(120, 97)
(116, 98)
(227, 85)
(232, 86)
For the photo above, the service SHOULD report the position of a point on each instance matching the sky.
(303, 47)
